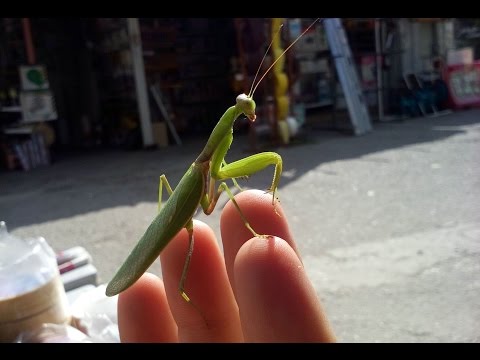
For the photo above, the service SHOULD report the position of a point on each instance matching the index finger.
(256, 205)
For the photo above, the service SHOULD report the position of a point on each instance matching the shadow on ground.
(85, 183)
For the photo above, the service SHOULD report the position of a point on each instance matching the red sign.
(464, 84)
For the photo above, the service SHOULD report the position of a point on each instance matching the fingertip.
(264, 259)
(214, 314)
(144, 314)
(147, 285)
(277, 300)
(251, 200)
(263, 217)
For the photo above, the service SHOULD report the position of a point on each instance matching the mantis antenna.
(263, 59)
(283, 53)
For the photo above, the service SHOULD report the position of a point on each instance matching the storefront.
(113, 82)
(389, 52)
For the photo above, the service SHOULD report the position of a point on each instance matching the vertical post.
(27, 36)
(378, 52)
(415, 41)
(405, 45)
(140, 82)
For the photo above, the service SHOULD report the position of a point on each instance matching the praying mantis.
(197, 188)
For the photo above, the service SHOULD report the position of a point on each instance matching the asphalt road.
(387, 223)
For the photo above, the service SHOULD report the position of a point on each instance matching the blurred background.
(377, 121)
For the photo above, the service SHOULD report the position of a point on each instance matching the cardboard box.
(160, 135)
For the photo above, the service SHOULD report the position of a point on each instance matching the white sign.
(34, 77)
(37, 106)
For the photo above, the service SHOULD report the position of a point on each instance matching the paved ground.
(388, 223)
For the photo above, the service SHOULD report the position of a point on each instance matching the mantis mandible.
(197, 188)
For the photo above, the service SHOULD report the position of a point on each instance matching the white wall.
(421, 40)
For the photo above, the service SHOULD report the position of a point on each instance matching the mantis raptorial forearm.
(196, 188)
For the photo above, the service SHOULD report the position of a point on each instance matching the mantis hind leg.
(183, 278)
(191, 241)
(181, 285)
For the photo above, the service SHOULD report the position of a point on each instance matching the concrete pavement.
(388, 223)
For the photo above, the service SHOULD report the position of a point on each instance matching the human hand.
(256, 291)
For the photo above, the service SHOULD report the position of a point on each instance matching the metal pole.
(378, 53)
(27, 36)
(140, 82)
(155, 92)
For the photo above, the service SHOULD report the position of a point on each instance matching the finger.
(214, 316)
(276, 299)
(257, 207)
(144, 314)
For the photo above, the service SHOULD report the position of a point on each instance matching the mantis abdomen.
(176, 213)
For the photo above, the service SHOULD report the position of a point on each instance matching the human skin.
(256, 290)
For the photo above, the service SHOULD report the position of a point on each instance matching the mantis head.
(247, 106)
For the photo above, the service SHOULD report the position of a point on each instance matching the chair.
(425, 98)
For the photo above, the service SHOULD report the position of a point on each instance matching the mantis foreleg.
(250, 165)
(235, 183)
(219, 170)
(210, 201)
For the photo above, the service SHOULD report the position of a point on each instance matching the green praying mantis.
(197, 188)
